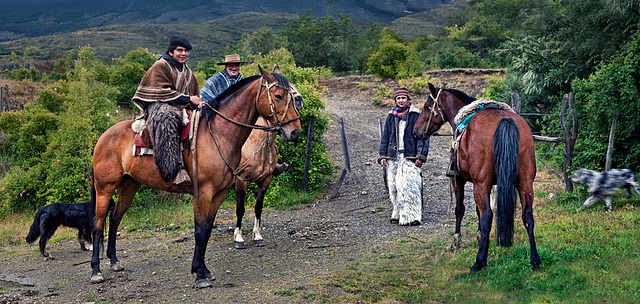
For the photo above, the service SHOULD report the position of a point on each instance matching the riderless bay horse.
(496, 148)
(258, 165)
(222, 133)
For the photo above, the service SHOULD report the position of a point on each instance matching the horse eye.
(278, 96)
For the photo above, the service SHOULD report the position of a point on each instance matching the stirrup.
(182, 178)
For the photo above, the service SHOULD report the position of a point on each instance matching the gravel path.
(301, 245)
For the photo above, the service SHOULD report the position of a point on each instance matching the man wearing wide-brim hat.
(221, 81)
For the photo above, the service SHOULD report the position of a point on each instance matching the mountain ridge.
(32, 18)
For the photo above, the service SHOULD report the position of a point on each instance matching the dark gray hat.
(180, 41)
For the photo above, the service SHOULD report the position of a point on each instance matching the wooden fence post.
(4, 98)
(307, 162)
(569, 135)
(347, 162)
(612, 133)
(515, 102)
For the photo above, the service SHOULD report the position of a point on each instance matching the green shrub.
(126, 73)
(393, 59)
(614, 85)
(497, 88)
(363, 86)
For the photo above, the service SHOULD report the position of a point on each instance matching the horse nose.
(294, 135)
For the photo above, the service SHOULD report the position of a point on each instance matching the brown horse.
(218, 145)
(259, 165)
(496, 148)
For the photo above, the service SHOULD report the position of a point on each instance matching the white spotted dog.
(602, 185)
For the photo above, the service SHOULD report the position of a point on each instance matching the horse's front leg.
(241, 191)
(458, 188)
(205, 209)
(481, 194)
(526, 198)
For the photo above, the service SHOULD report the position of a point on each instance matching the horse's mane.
(209, 114)
(461, 95)
(466, 99)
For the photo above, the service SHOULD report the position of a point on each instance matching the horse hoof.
(97, 278)
(415, 223)
(239, 245)
(116, 267)
(258, 243)
(394, 221)
(476, 267)
(204, 283)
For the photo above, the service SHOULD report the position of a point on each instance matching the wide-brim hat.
(233, 58)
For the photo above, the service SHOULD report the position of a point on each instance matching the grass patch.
(587, 257)
(150, 209)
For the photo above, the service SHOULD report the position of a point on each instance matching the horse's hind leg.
(526, 198)
(241, 191)
(258, 241)
(126, 193)
(481, 195)
(459, 193)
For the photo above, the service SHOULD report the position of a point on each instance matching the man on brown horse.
(166, 89)
(221, 81)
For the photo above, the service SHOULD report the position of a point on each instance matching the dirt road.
(301, 245)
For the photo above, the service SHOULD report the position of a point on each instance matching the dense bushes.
(52, 140)
(53, 137)
(614, 85)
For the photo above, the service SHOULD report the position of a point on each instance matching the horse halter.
(279, 122)
(435, 109)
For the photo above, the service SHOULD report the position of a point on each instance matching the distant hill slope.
(208, 38)
(32, 18)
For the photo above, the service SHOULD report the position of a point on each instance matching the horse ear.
(265, 74)
(277, 70)
(432, 89)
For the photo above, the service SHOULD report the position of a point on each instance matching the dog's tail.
(34, 231)
(505, 149)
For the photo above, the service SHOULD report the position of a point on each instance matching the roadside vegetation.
(546, 48)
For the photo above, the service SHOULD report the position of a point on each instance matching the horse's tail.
(505, 151)
(34, 231)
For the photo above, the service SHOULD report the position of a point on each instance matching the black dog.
(602, 185)
(80, 216)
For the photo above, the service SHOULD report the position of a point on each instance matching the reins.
(276, 128)
(435, 110)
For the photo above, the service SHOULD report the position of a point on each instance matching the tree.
(393, 58)
(614, 85)
(327, 41)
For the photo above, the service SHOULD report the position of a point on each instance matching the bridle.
(268, 87)
(435, 109)
(279, 123)
(263, 84)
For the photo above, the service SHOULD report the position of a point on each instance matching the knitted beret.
(401, 92)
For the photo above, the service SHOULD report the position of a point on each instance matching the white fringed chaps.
(405, 190)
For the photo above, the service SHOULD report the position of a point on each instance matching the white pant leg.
(409, 190)
(392, 168)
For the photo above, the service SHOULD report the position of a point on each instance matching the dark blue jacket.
(413, 147)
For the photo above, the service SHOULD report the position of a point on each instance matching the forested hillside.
(31, 18)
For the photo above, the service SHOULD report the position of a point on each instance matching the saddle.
(142, 143)
(462, 121)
